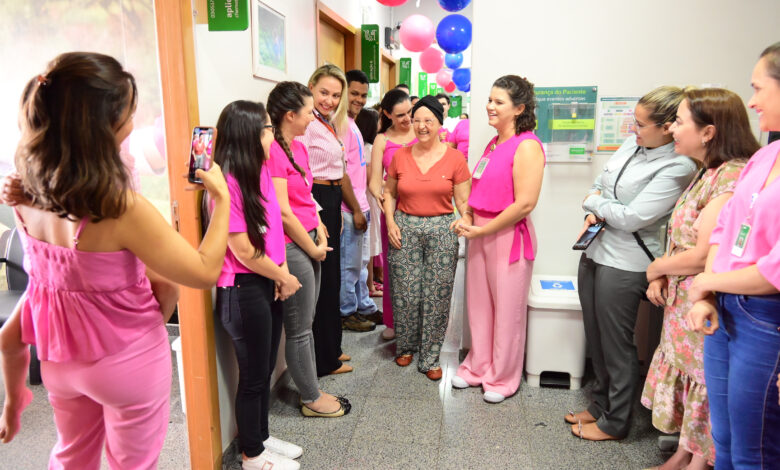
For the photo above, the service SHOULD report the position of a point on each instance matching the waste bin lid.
(554, 292)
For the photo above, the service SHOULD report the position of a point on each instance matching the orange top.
(429, 194)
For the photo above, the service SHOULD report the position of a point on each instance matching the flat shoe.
(309, 413)
(586, 432)
(434, 374)
(404, 360)
(493, 397)
(458, 382)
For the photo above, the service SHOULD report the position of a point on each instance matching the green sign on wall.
(369, 37)
(405, 75)
(422, 84)
(228, 15)
(456, 106)
(432, 87)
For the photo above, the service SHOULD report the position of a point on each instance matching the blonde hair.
(338, 118)
(662, 103)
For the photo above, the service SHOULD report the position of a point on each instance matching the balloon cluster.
(453, 36)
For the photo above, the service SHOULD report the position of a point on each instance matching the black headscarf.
(431, 103)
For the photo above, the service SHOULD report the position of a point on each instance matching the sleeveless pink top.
(83, 306)
(390, 149)
(494, 190)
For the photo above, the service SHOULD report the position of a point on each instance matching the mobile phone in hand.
(201, 148)
(590, 234)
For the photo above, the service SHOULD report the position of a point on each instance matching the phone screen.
(201, 148)
(587, 237)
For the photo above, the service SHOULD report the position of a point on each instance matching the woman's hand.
(394, 235)
(589, 220)
(653, 271)
(656, 291)
(322, 248)
(287, 286)
(701, 312)
(457, 225)
(11, 190)
(698, 289)
(213, 182)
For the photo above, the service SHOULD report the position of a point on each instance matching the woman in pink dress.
(712, 128)
(502, 245)
(395, 132)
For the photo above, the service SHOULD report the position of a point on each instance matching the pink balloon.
(444, 77)
(417, 33)
(431, 60)
(450, 87)
(392, 3)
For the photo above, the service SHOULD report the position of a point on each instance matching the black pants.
(610, 298)
(327, 317)
(254, 322)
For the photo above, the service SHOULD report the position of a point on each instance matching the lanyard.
(330, 128)
(360, 148)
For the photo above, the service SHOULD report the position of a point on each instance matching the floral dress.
(675, 389)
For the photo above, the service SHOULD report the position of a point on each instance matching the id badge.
(483, 163)
(742, 238)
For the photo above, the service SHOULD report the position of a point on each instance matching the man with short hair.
(449, 122)
(404, 87)
(358, 311)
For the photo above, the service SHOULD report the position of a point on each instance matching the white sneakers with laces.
(270, 461)
(284, 448)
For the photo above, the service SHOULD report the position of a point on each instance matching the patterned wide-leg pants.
(422, 273)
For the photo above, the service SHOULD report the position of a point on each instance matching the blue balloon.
(461, 77)
(454, 33)
(453, 61)
(465, 89)
(454, 5)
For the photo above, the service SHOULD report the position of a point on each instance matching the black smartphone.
(590, 234)
(201, 147)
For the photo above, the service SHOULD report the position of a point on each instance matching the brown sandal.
(571, 418)
(582, 430)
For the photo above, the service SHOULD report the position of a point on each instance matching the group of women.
(102, 261)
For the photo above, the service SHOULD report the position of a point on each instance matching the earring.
(703, 142)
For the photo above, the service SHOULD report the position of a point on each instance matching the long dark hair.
(239, 152)
(391, 98)
(68, 156)
(366, 121)
(284, 98)
(521, 92)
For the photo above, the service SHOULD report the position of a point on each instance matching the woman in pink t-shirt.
(502, 245)
(290, 106)
(254, 279)
(739, 291)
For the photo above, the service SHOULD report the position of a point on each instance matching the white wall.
(625, 48)
(224, 73)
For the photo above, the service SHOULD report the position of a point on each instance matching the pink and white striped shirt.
(326, 152)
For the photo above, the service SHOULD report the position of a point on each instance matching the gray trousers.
(298, 318)
(610, 298)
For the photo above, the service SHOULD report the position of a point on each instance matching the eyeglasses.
(268, 126)
(639, 126)
(427, 122)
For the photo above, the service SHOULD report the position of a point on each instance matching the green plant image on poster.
(270, 42)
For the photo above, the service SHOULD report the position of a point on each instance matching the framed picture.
(269, 42)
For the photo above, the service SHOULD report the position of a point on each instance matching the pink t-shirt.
(274, 231)
(460, 137)
(757, 208)
(298, 189)
(356, 167)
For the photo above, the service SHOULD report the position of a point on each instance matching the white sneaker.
(287, 449)
(458, 382)
(270, 461)
(493, 397)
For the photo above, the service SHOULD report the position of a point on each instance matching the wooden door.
(388, 73)
(330, 48)
(337, 40)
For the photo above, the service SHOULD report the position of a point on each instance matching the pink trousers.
(121, 399)
(387, 300)
(497, 299)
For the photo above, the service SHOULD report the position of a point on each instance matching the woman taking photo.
(634, 195)
(290, 106)
(254, 280)
(712, 128)
(99, 332)
(325, 142)
(742, 349)
(395, 132)
(421, 182)
(502, 245)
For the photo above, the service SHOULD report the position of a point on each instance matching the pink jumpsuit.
(498, 277)
(104, 354)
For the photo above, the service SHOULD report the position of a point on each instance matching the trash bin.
(555, 335)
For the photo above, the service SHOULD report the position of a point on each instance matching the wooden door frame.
(393, 64)
(351, 35)
(176, 49)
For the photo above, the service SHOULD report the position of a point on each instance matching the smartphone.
(590, 234)
(201, 148)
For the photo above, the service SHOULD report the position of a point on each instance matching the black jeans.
(327, 317)
(254, 322)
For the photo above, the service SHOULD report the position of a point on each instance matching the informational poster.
(566, 121)
(432, 89)
(616, 117)
(456, 106)
(369, 51)
(228, 15)
(422, 84)
(405, 74)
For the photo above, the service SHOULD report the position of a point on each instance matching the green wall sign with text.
(228, 15)
(369, 51)
(422, 84)
(405, 75)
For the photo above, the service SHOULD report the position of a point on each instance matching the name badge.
(742, 238)
(481, 167)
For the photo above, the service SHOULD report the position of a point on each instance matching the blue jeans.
(354, 271)
(741, 363)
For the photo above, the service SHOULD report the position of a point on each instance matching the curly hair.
(521, 92)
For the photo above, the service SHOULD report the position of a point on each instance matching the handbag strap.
(638, 239)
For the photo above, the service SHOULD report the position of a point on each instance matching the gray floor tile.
(415, 422)
(365, 454)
